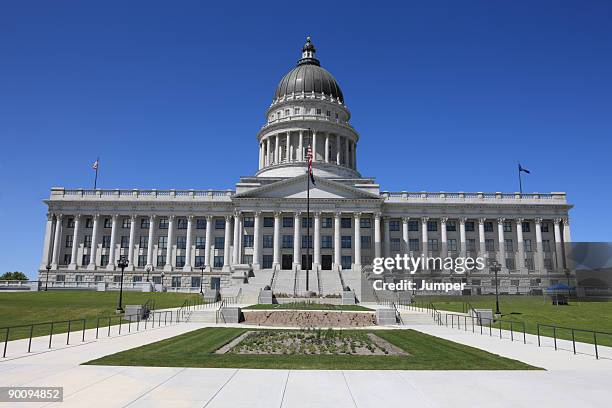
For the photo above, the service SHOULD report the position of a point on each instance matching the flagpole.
(96, 178)
(308, 263)
(520, 179)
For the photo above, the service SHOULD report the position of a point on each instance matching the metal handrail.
(31, 335)
(491, 322)
(573, 331)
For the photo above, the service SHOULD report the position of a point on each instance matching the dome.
(308, 77)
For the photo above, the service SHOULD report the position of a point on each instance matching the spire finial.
(308, 53)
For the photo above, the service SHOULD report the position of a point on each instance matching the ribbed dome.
(308, 76)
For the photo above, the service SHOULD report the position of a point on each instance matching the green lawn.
(590, 315)
(36, 307)
(195, 349)
(308, 306)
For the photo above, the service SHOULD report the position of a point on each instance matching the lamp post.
(48, 267)
(567, 275)
(162, 280)
(494, 266)
(202, 281)
(122, 263)
(148, 269)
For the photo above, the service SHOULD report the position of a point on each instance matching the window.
(200, 243)
(248, 241)
(106, 241)
(248, 222)
(176, 281)
(306, 241)
(328, 113)
(199, 261)
(196, 282)
(346, 241)
(70, 222)
(296, 111)
(287, 222)
(432, 244)
(413, 244)
(142, 260)
(98, 278)
(247, 259)
(489, 245)
(161, 260)
(413, 225)
(345, 222)
(514, 282)
(163, 223)
(143, 242)
(476, 282)
(508, 246)
(546, 245)
(318, 111)
(157, 280)
(529, 264)
(365, 223)
(69, 241)
(268, 241)
(286, 112)
(180, 261)
(394, 225)
(544, 227)
(510, 263)
(366, 242)
(432, 226)
(219, 242)
(451, 226)
(525, 226)
(267, 261)
(326, 241)
(469, 226)
(181, 242)
(117, 278)
(326, 222)
(103, 260)
(137, 279)
(126, 223)
(218, 261)
(220, 223)
(287, 241)
(488, 226)
(471, 244)
(548, 264)
(395, 244)
(452, 245)
(200, 223)
(162, 242)
(67, 258)
(108, 223)
(346, 261)
(535, 282)
(507, 226)
(181, 223)
(88, 223)
(144, 223)
(306, 223)
(85, 260)
(527, 245)
(268, 222)
(125, 242)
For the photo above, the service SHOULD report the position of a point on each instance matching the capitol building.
(255, 234)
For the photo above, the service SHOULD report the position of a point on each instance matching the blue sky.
(447, 96)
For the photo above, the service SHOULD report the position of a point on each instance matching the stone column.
(338, 149)
(558, 244)
(337, 242)
(150, 243)
(424, 235)
(75, 242)
(257, 240)
(405, 239)
(326, 147)
(317, 241)
(300, 155)
(296, 240)
(48, 243)
(168, 266)
(566, 230)
(236, 246)
(443, 237)
(277, 150)
(357, 244)
(113, 242)
(463, 249)
(57, 240)
(539, 255)
(481, 237)
(208, 242)
(187, 266)
(377, 249)
(227, 244)
(501, 252)
(276, 241)
(520, 250)
(346, 152)
(267, 151)
(288, 148)
(131, 262)
(387, 238)
(314, 146)
(94, 242)
(355, 156)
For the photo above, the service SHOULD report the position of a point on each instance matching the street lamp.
(162, 279)
(48, 267)
(494, 266)
(202, 281)
(122, 263)
(567, 275)
(148, 269)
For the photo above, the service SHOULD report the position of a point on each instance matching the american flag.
(95, 165)
(309, 155)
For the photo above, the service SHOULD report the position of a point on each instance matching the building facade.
(182, 236)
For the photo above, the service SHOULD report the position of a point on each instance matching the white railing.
(59, 193)
(473, 197)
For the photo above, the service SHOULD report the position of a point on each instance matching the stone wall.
(308, 318)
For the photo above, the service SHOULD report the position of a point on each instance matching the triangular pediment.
(295, 188)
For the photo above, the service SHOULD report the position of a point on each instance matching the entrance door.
(287, 261)
(306, 264)
(215, 283)
(326, 262)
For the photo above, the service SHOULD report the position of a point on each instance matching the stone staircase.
(313, 283)
(259, 280)
(202, 316)
(416, 318)
(284, 282)
(330, 283)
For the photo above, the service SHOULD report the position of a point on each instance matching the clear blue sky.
(447, 96)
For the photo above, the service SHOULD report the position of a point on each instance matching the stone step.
(203, 316)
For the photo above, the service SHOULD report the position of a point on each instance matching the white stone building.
(187, 234)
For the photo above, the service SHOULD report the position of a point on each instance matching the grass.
(196, 349)
(37, 307)
(588, 315)
(308, 306)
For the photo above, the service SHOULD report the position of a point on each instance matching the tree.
(13, 276)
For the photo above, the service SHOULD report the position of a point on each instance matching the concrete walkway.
(572, 380)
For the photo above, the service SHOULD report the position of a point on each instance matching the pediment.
(295, 188)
